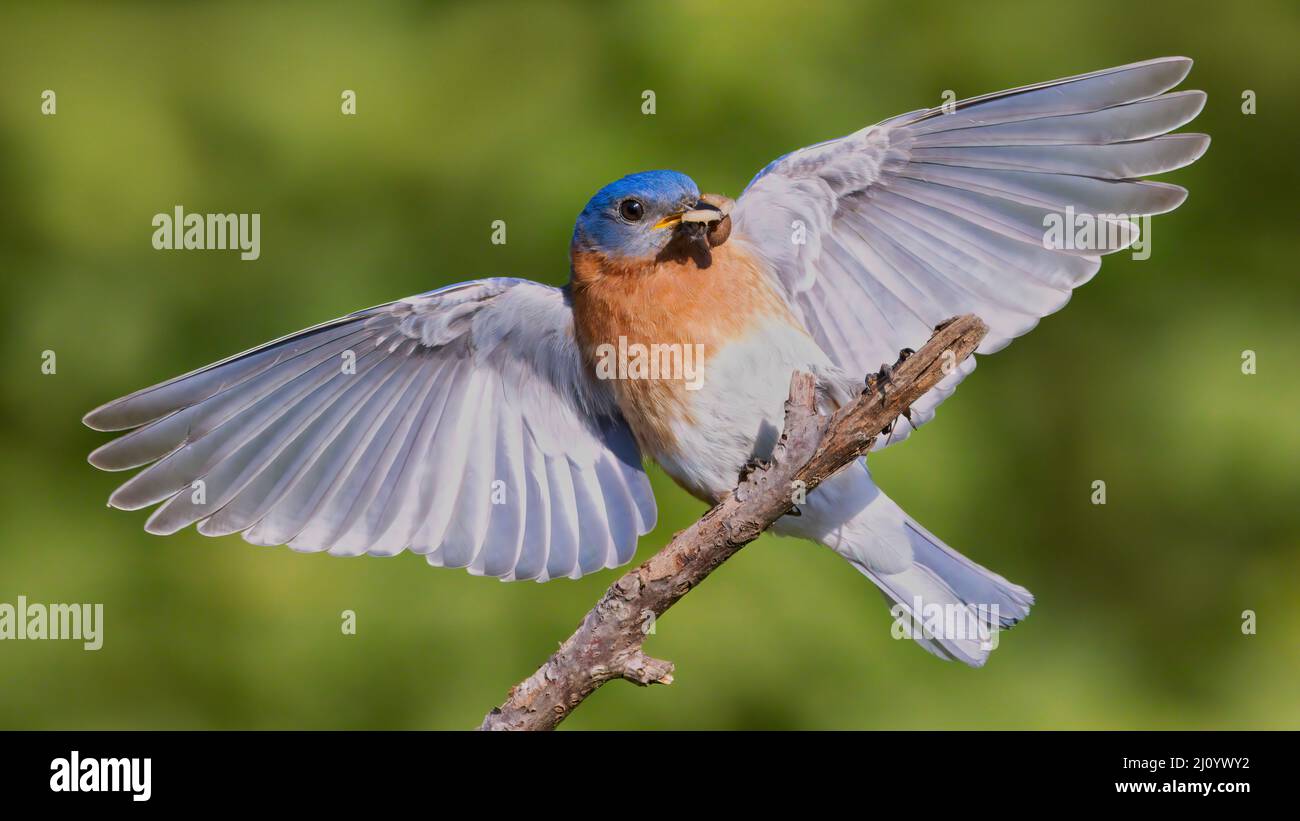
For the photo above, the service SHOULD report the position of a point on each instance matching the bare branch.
(608, 643)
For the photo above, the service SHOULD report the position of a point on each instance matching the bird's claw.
(752, 465)
(878, 383)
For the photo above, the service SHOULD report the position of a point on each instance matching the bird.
(477, 426)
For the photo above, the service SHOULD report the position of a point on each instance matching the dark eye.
(631, 210)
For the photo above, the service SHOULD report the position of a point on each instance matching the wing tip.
(1183, 62)
(1180, 59)
(154, 528)
(98, 458)
(98, 419)
(1177, 195)
(1203, 144)
(116, 500)
(1191, 94)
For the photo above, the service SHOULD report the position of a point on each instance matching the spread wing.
(458, 424)
(877, 236)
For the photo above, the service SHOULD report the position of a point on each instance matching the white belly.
(738, 412)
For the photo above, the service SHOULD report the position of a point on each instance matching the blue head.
(636, 218)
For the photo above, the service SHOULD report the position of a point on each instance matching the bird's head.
(652, 216)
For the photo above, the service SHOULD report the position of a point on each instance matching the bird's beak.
(711, 208)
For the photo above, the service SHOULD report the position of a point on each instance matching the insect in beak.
(697, 231)
(713, 211)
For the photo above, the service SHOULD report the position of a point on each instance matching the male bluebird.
(472, 425)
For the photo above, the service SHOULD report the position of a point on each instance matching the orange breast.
(668, 303)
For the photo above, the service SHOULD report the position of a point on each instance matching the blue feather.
(600, 227)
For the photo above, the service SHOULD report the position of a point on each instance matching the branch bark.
(608, 643)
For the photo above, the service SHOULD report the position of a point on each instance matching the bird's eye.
(631, 210)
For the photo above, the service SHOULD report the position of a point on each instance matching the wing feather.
(940, 212)
(467, 431)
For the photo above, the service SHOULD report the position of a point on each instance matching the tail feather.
(972, 582)
(920, 576)
(951, 606)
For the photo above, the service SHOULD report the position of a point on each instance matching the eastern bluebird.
(475, 425)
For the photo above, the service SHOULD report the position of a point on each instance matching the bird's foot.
(880, 382)
(882, 379)
(752, 465)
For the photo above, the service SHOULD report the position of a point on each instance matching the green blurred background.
(470, 114)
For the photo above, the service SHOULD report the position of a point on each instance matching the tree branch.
(608, 643)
